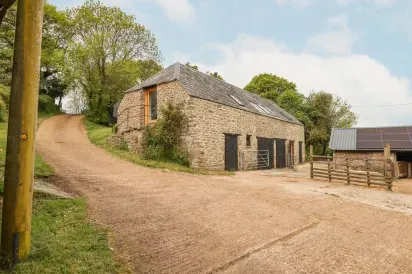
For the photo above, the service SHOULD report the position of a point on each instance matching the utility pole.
(19, 173)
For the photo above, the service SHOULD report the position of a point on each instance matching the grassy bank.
(41, 169)
(63, 242)
(98, 135)
(62, 239)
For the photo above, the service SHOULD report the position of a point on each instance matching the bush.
(162, 141)
(4, 102)
(47, 105)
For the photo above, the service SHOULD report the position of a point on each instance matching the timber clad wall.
(207, 123)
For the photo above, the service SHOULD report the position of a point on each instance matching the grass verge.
(98, 135)
(62, 239)
(63, 242)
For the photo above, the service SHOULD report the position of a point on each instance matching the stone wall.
(207, 124)
(357, 159)
(208, 121)
(131, 124)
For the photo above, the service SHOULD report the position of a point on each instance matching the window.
(237, 100)
(248, 140)
(151, 105)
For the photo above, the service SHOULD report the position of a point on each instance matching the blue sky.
(357, 49)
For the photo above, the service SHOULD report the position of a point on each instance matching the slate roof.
(206, 87)
(371, 139)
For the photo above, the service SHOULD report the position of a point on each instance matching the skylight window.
(237, 100)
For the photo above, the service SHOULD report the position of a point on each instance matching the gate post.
(347, 171)
(311, 160)
(329, 171)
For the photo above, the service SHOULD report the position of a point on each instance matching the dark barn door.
(280, 153)
(231, 152)
(300, 152)
(266, 145)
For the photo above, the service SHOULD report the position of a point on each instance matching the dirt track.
(254, 222)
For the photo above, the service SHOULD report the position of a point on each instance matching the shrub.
(47, 105)
(4, 102)
(161, 141)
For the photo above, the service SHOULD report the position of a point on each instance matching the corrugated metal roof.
(203, 86)
(372, 138)
(343, 139)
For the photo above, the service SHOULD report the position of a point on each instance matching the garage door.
(280, 153)
(264, 145)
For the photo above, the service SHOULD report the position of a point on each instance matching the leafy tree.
(147, 68)
(54, 43)
(192, 66)
(6, 45)
(326, 111)
(270, 86)
(213, 74)
(103, 52)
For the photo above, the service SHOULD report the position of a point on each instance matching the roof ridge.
(176, 74)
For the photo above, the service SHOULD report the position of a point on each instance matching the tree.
(270, 86)
(147, 68)
(103, 53)
(54, 44)
(213, 74)
(326, 111)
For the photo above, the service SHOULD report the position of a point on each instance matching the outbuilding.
(369, 143)
(229, 128)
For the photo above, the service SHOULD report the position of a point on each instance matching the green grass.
(98, 135)
(63, 242)
(41, 168)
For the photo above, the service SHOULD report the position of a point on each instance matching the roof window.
(237, 100)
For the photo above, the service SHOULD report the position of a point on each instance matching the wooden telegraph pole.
(18, 182)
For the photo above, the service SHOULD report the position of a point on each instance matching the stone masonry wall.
(357, 159)
(132, 128)
(207, 123)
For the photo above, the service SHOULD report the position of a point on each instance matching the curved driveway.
(253, 222)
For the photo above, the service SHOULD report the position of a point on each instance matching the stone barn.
(228, 128)
(369, 143)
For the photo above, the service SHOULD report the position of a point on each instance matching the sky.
(359, 50)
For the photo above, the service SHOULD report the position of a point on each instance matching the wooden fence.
(369, 171)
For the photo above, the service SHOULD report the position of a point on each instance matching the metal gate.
(254, 159)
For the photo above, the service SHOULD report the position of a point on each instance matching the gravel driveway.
(253, 222)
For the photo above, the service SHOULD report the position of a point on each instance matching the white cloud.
(358, 79)
(376, 2)
(294, 3)
(338, 39)
(176, 10)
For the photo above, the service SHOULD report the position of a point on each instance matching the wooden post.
(311, 160)
(19, 170)
(329, 171)
(368, 172)
(347, 171)
(387, 163)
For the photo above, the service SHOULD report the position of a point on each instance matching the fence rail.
(380, 173)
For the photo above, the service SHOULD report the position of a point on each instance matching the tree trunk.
(60, 102)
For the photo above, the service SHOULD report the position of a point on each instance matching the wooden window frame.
(249, 138)
(147, 105)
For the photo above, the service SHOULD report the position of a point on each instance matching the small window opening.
(248, 140)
